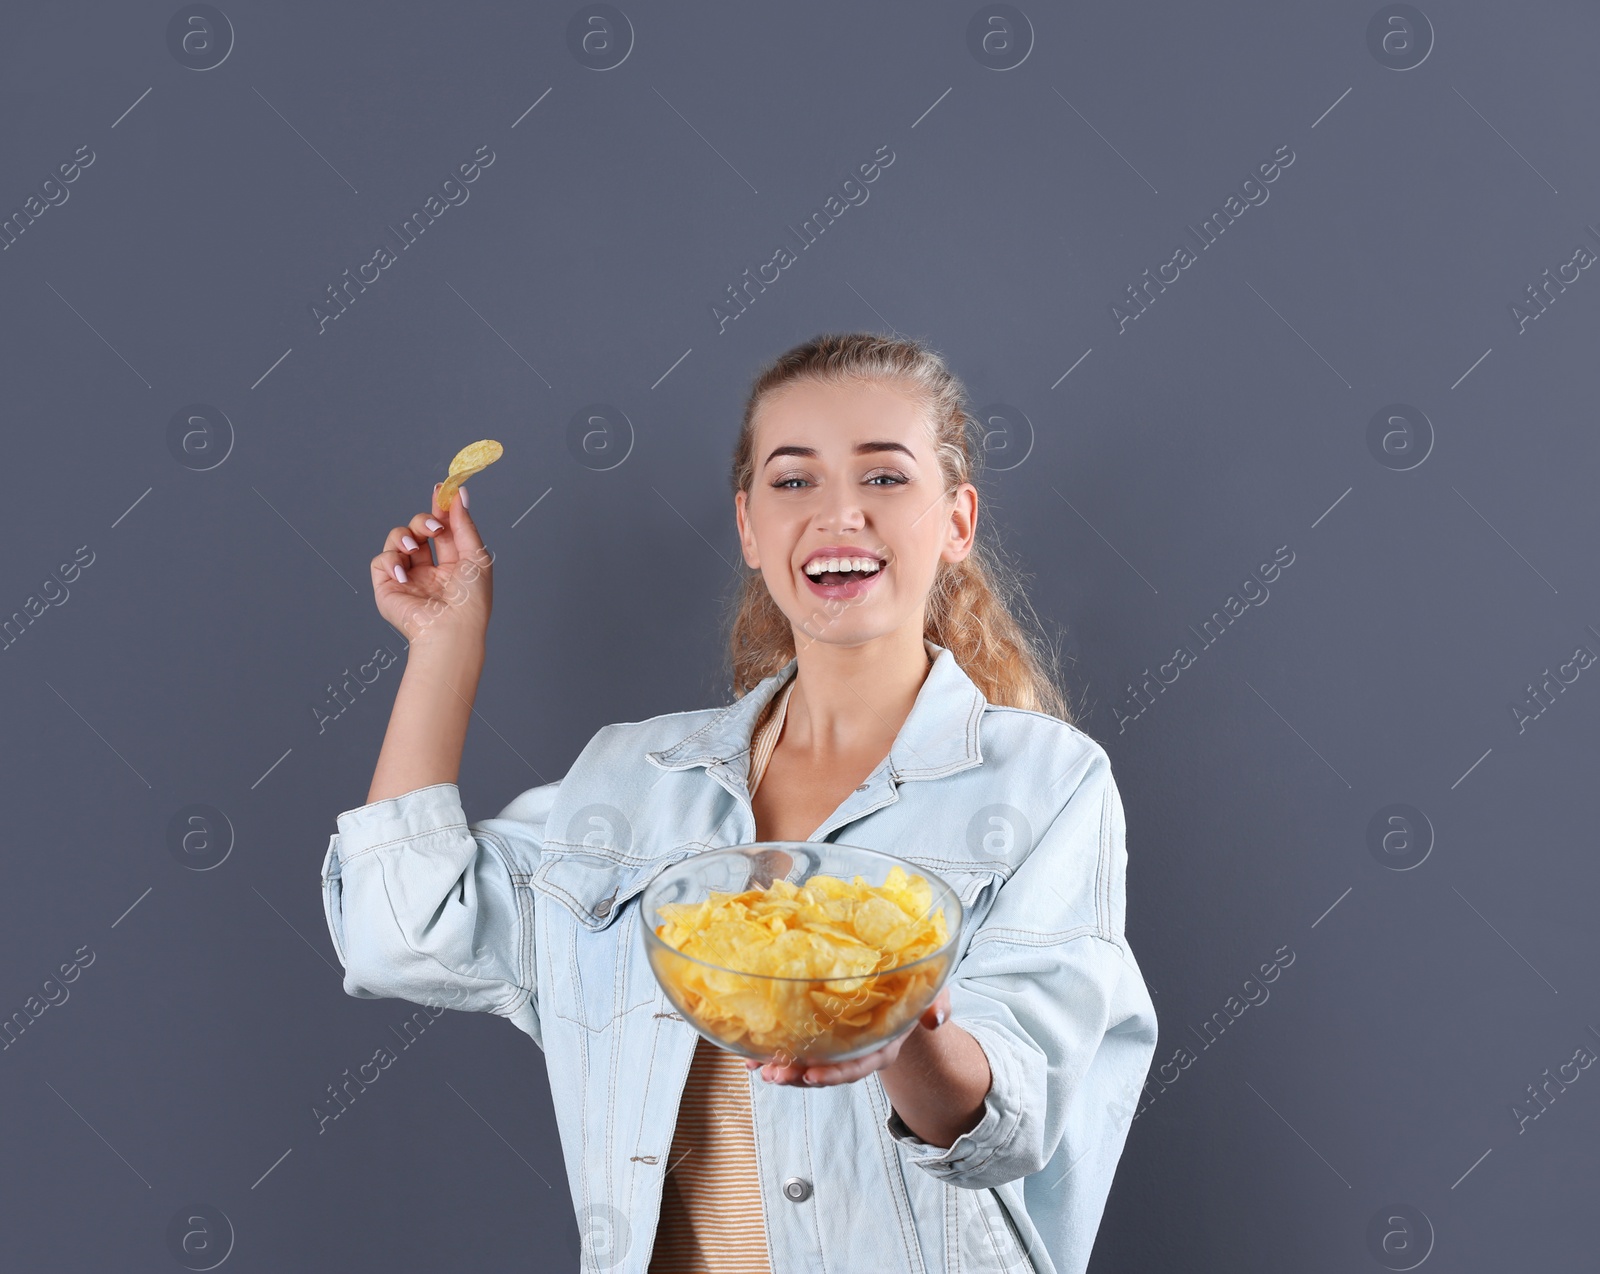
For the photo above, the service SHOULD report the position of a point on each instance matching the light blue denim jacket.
(533, 915)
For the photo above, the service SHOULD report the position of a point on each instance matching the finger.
(384, 567)
(781, 1073)
(424, 527)
(840, 1072)
(462, 529)
(414, 551)
(937, 1013)
(459, 537)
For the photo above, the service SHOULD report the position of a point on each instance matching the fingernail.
(462, 492)
(411, 545)
(938, 1017)
(433, 524)
(399, 573)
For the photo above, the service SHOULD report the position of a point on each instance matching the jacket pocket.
(976, 887)
(599, 971)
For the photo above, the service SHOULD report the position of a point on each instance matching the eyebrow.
(860, 449)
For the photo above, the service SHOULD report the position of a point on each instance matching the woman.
(885, 697)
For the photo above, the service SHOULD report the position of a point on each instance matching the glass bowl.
(809, 1020)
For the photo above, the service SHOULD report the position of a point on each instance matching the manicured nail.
(433, 524)
(938, 1017)
(411, 545)
(400, 573)
(462, 492)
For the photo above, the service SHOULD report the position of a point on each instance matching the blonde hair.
(968, 609)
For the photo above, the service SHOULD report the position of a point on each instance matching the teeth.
(868, 564)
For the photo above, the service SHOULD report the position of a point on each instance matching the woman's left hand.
(817, 1076)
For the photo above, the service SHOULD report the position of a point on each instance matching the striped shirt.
(711, 1214)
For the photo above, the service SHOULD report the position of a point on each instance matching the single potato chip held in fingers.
(473, 458)
(477, 455)
(448, 488)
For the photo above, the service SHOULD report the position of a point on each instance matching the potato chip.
(838, 942)
(473, 458)
(477, 455)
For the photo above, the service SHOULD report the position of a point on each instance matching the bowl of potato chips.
(800, 950)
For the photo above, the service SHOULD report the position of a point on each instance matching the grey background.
(181, 667)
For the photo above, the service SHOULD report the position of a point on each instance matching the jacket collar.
(939, 737)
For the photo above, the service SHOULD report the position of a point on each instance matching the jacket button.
(797, 1189)
(603, 907)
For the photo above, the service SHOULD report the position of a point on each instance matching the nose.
(840, 511)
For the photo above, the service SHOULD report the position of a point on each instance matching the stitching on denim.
(523, 987)
(329, 909)
(972, 755)
(614, 1051)
(964, 763)
(1044, 716)
(555, 891)
(1028, 938)
(764, 1169)
(644, 1105)
(1008, 1123)
(583, 1132)
(386, 800)
(612, 856)
(913, 1253)
(528, 956)
(1100, 872)
(1108, 854)
(574, 981)
(988, 1227)
(952, 1229)
(718, 715)
(621, 962)
(805, 1133)
(400, 840)
(995, 866)
(1025, 1248)
(951, 1160)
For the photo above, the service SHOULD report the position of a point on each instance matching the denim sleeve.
(1049, 990)
(423, 907)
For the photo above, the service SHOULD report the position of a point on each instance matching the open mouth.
(839, 570)
(842, 576)
(826, 578)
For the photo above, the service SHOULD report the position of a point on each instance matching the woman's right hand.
(449, 602)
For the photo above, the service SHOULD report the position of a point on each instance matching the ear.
(747, 539)
(962, 529)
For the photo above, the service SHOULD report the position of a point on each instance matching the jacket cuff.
(994, 1132)
(399, 818)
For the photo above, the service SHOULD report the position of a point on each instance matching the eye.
(894, 479)
(782, 484)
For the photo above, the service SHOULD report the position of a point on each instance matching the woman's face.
(847, 472)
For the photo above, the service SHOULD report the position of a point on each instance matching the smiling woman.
(883, 418)
(885, 697)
